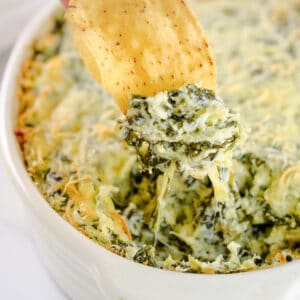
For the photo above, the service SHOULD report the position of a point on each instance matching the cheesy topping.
(76, 156)
(189, 126)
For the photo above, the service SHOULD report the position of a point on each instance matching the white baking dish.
(85, 270)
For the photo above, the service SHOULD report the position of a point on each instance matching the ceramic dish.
(86, 271)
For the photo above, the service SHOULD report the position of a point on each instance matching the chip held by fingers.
(141, 47)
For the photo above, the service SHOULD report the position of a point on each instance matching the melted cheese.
(88, 174)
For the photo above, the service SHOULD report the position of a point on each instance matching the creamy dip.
(190, 127)
(76, 156)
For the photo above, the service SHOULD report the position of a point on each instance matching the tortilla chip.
(141, 46)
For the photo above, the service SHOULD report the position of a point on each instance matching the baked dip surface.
(78, 159)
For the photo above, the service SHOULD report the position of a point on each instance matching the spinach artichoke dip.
(178, 183)
(188, 126)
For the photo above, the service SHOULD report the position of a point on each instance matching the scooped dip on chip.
(191, 193)
(190, 126)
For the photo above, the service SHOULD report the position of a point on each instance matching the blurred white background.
(22, 275)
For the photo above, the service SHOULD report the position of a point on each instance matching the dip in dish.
(74, 153)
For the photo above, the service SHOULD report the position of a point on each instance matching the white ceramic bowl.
(85, 270)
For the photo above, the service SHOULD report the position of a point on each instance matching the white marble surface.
(22, 274)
